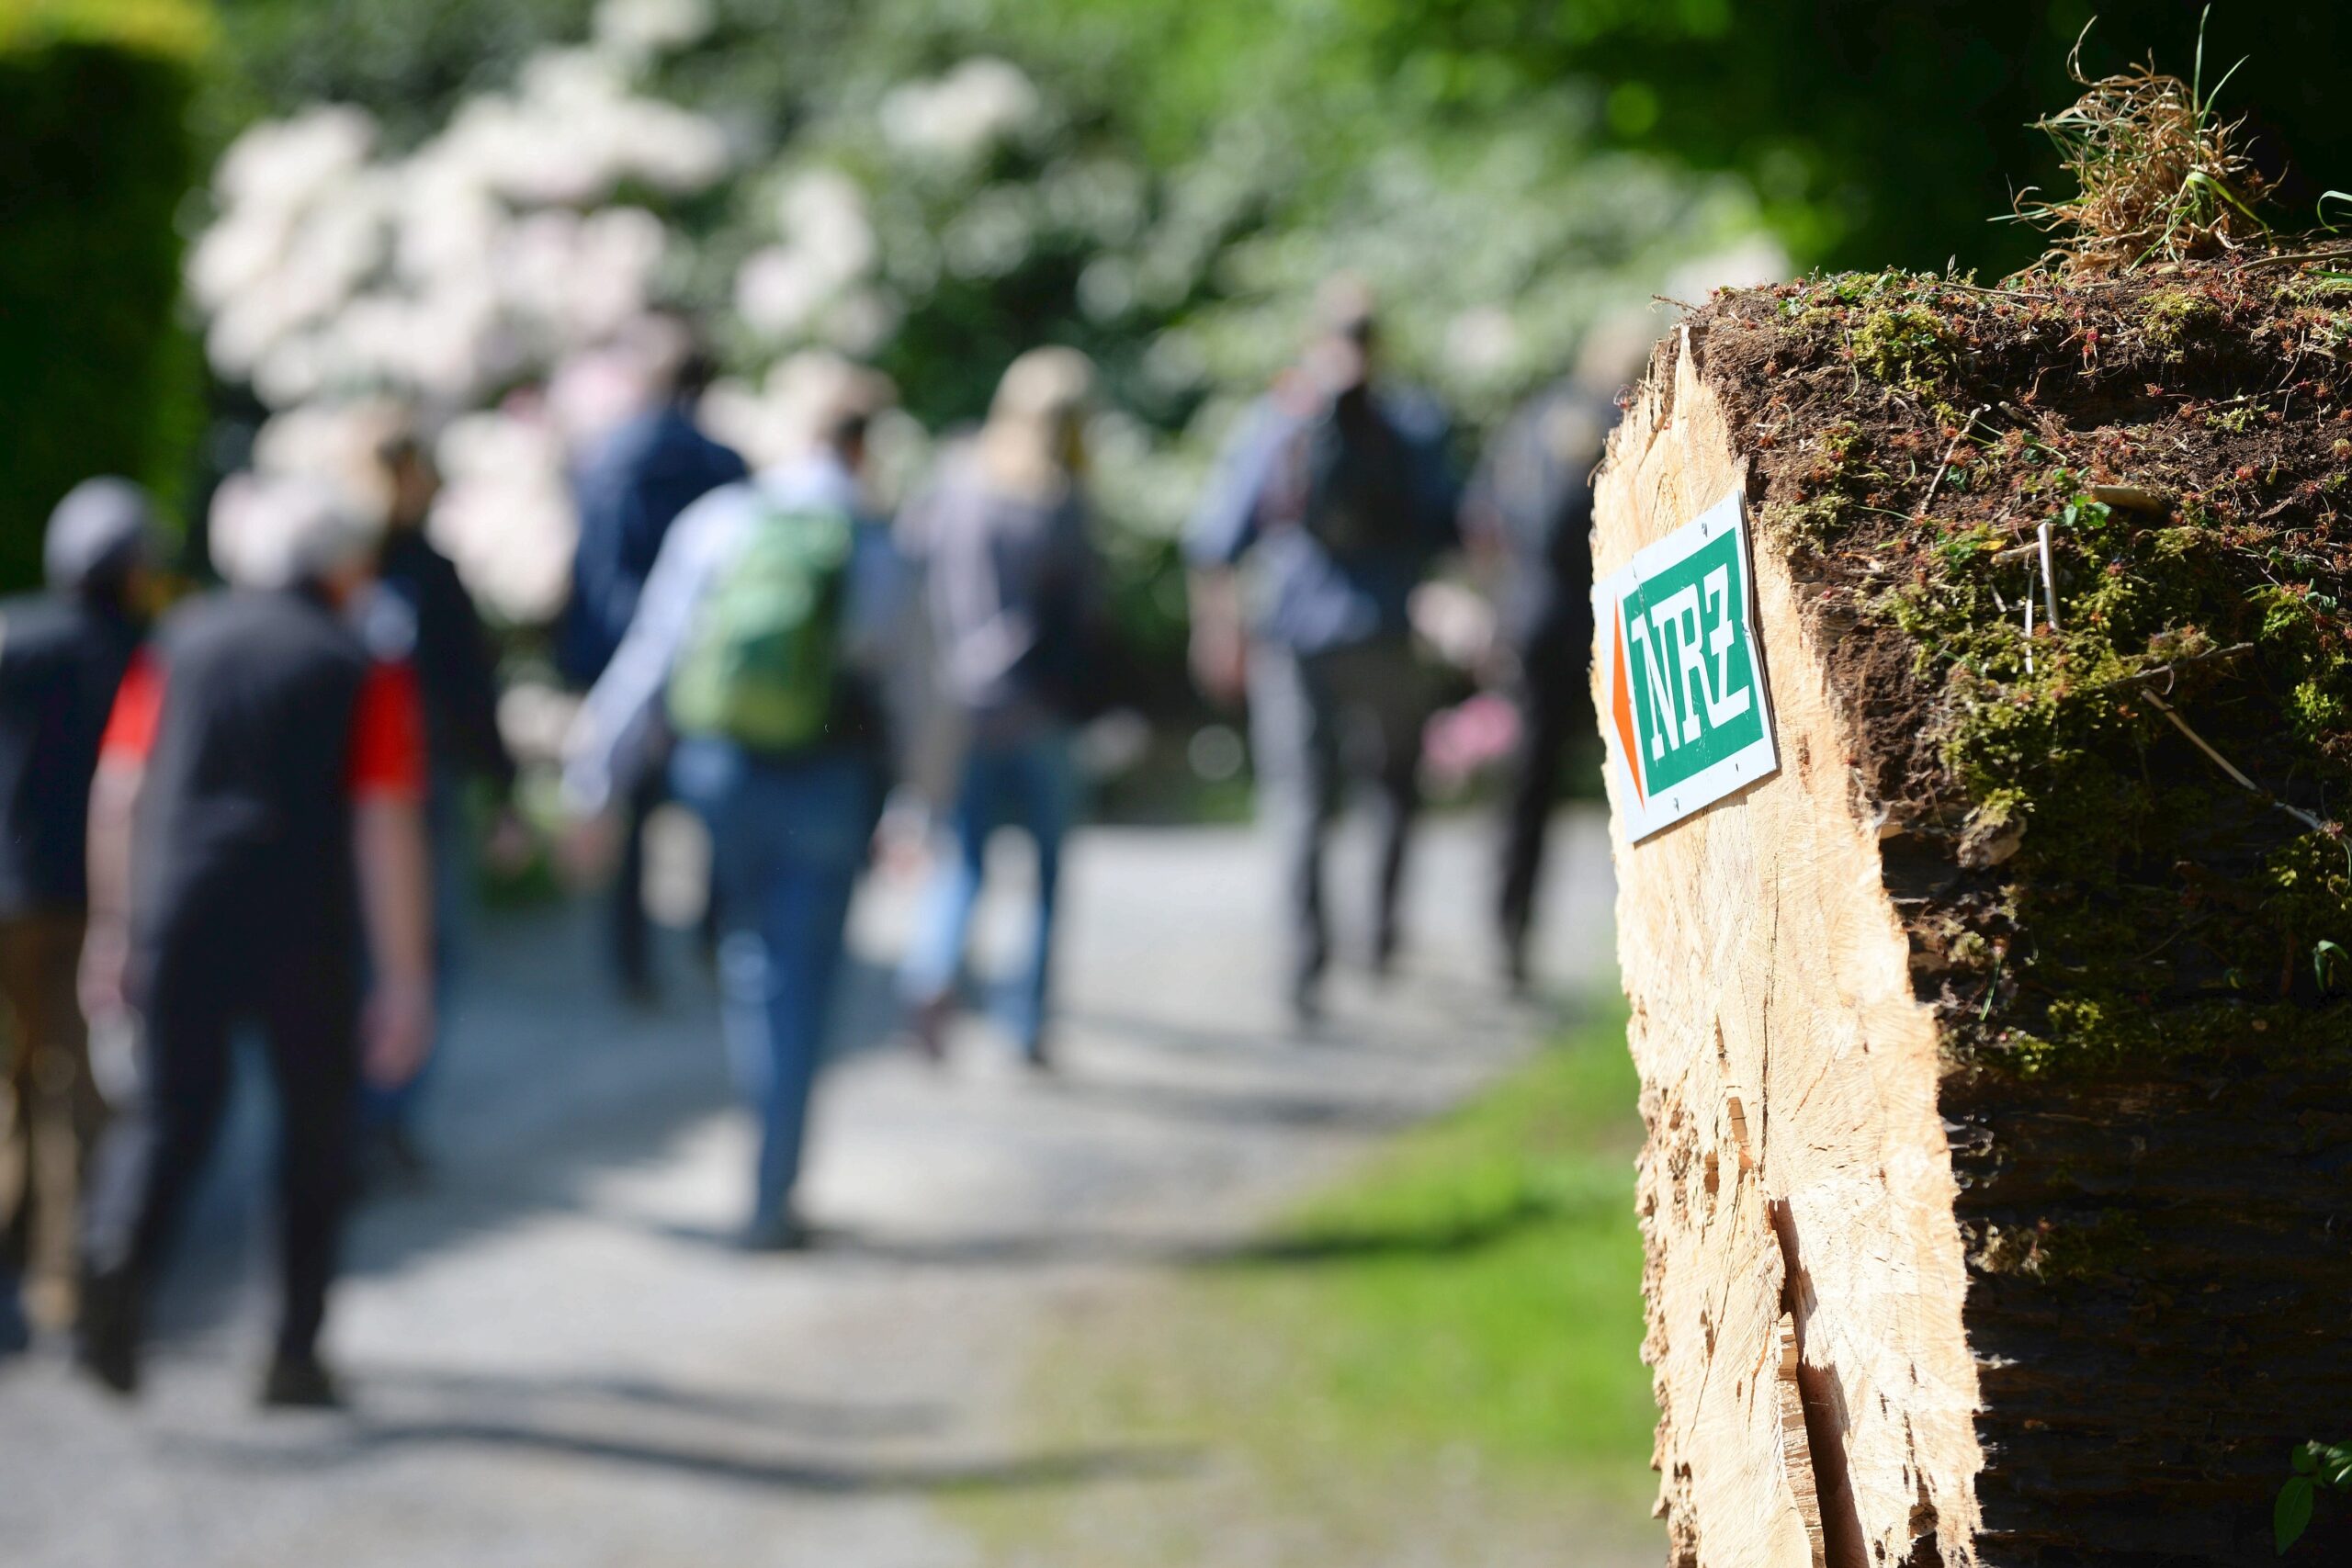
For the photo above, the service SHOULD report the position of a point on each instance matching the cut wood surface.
(1998, 1045)
(1788, 1073)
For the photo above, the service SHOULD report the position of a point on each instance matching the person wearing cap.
(1337, 489)
(630, 487)
(257, 856)
(63, 654)
(1013, 589)
(790, 824)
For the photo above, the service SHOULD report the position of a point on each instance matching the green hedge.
(96, 376)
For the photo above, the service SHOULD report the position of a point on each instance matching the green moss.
(1902, 346)
(2121, 899)
(2087, 1036)
(1806, 525)
(2174, 317)
(2064, 1252)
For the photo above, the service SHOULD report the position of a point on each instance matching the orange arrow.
(1621, 704)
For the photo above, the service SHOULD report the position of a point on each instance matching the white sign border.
(1647, 816)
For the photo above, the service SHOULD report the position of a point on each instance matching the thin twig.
(2049, 577)
(2297, 256)
(2209, 657)
(2300, 815)
(1949, 453)
(1993, 293)
(2028, 628)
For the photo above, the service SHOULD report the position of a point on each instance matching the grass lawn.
(1434, 1360)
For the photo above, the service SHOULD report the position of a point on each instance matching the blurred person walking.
(762, 637)
(63, 654)
(1527, 518)
(422, 615)
(629, 488)
(1336, 488)
(256, 844)
(1015, 596)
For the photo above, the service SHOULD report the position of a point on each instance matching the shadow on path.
(544, 1081)
(368, 1440)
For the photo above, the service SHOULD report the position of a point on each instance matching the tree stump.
(1994, 1051)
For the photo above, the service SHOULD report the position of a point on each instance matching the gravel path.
(555, 1359)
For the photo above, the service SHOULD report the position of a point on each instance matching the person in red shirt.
(257, 854)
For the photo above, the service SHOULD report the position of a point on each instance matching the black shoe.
(776, 1232)
(298, 1382)
(106, 1338)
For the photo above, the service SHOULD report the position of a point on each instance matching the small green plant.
(2317, 1467)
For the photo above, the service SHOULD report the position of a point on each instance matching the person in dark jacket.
(62, 656)
(1336, 491)
(629, 488)
(422, 614)
(1528, 516)
(256, 855)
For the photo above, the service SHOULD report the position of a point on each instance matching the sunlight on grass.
(1481, 1282)
(1435, 1359)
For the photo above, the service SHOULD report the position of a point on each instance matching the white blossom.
(636, 28)
(993, 234)
(504, 516)
(1482, 343)
(289, 162)
(961, 115)
(828, 246)
(777, 290)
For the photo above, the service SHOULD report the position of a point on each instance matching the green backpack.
(758, 667)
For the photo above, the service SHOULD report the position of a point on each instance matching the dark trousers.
(199, 987)
(1553, 700)
(1317, 720)
(631, 930)
(53, 1109)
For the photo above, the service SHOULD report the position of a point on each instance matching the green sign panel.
(1685, 711)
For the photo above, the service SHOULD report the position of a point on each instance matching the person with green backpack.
(759, 644)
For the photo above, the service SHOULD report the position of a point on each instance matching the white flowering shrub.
(896, 182)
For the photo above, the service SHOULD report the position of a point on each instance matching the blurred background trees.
(96, 157)
(935, 184)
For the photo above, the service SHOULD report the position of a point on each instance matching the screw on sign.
(1687, 714)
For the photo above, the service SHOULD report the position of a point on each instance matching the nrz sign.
(1684, 709)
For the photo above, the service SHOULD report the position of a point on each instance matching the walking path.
(556, 1360)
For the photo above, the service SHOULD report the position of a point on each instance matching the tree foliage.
(95, 159)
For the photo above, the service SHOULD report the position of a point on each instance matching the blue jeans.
(787, 837)
(1030, 783)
